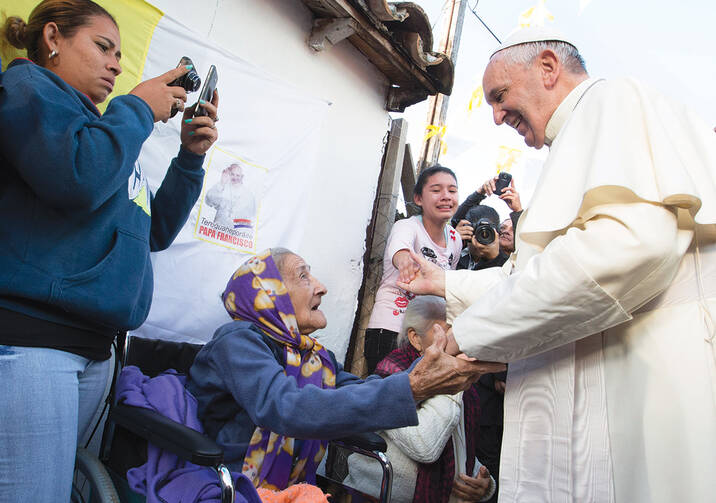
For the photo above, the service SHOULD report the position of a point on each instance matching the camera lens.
(484, 232)
(192, 81)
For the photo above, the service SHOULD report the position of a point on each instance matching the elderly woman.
(431, 461)
(272, 396)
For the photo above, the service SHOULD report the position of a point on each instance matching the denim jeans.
(48, 400)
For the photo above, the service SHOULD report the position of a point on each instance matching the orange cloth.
(297, 493)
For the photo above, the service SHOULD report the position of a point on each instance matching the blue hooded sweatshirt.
(78, 219)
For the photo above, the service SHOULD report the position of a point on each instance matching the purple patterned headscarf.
(256, 293)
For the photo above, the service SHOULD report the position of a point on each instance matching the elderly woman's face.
(305, 292)
(89, 59)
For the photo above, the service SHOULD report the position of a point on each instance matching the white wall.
(272, 35)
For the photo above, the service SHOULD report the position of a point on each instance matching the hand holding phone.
(503, 180)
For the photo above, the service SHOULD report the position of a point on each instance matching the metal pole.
(438, 104)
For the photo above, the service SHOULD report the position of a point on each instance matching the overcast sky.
(668, 45)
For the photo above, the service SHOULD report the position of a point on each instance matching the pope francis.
(605, 311)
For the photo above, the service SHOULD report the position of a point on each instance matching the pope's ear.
(549, 66)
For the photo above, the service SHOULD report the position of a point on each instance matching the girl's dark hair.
(68, 15)
(427, 173)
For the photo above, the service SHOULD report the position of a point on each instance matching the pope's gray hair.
(525, 54)
(421, 314)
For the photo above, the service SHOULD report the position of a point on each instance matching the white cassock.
(606, 310)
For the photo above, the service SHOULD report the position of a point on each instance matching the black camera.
(503, 181)
(484, 231)
(190, 81)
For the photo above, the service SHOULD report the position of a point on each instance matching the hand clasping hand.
(439, 373)
(429, 280)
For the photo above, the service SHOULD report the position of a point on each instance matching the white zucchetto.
(532, 34)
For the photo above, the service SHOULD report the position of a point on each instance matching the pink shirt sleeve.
(402, 237)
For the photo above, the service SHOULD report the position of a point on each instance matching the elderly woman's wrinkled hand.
(472, 488)
(439, 373)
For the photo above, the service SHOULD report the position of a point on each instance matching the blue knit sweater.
(78, 220)
(239, 382)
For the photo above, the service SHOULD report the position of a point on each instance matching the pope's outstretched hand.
(430, 279)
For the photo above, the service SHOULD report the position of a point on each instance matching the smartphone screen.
(207, 90)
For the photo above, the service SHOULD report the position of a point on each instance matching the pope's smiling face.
(518, 98)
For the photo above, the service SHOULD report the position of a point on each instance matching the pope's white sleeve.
(437, 418)
(585, 281)
(466, 287)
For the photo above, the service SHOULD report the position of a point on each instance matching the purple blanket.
(165, 477)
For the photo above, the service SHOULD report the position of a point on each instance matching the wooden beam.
(378, 233)
(438, 104)
(407, 182)
(374, 41)
(331, 31)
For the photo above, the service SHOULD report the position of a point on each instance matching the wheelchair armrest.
(169, 435)
(367, 441)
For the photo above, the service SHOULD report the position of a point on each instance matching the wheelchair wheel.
(92, 479)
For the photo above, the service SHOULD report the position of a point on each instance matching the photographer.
(511, 198)
(483, 248)
(79, 224)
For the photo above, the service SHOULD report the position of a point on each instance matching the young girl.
(428, 234)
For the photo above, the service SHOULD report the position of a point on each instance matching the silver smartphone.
(207, 91)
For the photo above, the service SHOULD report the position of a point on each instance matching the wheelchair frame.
(193, 446)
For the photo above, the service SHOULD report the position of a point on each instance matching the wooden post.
(377, 236)
(438, 104)
(407, 182)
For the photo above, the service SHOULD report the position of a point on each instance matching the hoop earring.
(53, 53)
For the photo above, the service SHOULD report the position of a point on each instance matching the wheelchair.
(128, 429)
